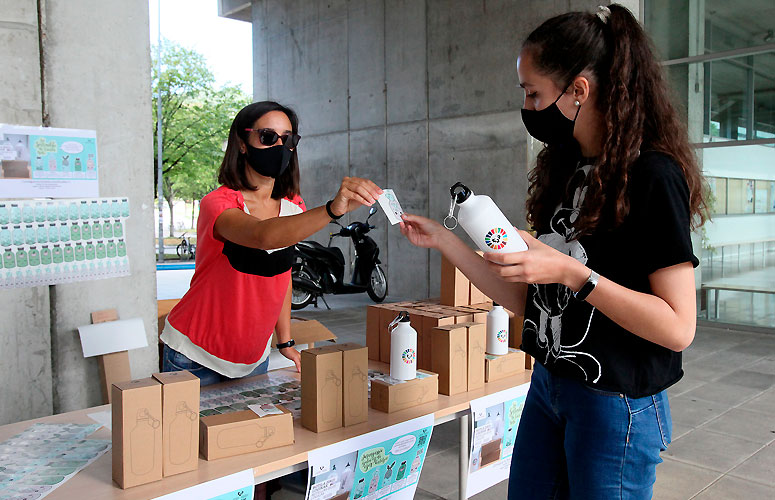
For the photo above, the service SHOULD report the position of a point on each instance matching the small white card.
(390, 205)
(265, 409)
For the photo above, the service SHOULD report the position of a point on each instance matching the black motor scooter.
(318, 270)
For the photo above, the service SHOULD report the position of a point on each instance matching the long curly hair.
(635, 103)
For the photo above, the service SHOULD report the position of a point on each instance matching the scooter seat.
(331, 252)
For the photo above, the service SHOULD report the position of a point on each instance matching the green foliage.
(196, 118)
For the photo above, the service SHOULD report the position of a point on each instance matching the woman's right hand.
(422, 232)
(353, 193)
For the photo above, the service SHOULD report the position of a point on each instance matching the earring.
(577, 103)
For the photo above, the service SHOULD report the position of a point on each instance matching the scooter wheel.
(378, 286)
(300, 298)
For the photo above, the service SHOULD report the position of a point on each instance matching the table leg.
(463, 464)
(716, 302)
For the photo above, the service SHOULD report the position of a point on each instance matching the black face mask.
(549, 125)
(269, 162)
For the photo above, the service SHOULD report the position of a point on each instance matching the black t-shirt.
(573, 339)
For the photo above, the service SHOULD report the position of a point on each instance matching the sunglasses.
(268, 137)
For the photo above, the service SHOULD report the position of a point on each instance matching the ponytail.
(633, 98)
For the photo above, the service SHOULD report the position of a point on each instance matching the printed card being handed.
(389, 203)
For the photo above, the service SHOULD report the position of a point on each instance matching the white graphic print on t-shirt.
(552, 299)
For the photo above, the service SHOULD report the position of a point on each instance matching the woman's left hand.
(292, 354)
(539, 264)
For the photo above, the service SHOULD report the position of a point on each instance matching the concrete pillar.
(79, 64)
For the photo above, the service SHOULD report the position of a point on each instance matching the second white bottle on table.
(403, 348)
(497, 331)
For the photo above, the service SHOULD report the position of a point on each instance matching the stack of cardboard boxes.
(334, 386)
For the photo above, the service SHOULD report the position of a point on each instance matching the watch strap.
(587, 287)
(283, 345)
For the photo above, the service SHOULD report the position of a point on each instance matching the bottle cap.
(495, 304)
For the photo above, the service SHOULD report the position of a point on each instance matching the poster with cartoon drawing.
(385, 463)
(495, 419)
(45, 162)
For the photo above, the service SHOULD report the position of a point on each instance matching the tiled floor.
(723, 417)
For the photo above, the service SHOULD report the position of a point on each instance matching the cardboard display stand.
(498, 367)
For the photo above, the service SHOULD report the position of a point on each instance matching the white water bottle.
(497, 331)
(483, 221)
(403, 348)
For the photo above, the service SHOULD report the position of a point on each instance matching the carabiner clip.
(451, 215)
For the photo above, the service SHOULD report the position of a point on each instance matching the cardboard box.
(498, 367)
(321, 388)
(394, 397)
(455, 288)
(179, 421)
(477, 341)
(307, 332)
(136, 432)
(450, 358)
(372, 330)
(242, 432)
(515, 329)
(477, 315)
(491, 452)
(430, 320)
(355, 383)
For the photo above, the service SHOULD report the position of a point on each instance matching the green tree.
(195, 123)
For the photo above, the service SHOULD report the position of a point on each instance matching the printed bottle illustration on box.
(180, 431)
(330, 391)
(90, 162)
(356, 409)
(401, 471)
(389, 471)
(142, 455)
(235, 436)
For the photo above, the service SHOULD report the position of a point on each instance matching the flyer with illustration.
(385, 463)
(495, 422)
(44, 162)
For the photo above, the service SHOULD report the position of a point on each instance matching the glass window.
(718, 193)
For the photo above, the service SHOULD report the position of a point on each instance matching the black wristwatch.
(330, 213)
(587, 287)
(283, 345)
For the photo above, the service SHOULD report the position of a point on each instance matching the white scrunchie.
(602, 13)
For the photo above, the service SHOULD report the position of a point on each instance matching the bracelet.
(330, 213)
(283, 345)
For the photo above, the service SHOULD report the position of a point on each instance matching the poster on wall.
(385, 463)
(43, 162)
(46, 242)
(495, 421)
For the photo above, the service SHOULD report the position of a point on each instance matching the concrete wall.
(91, 70)
(414, 94)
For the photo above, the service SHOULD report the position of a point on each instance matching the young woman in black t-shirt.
(607, 288)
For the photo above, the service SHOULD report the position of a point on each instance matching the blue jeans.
(583, 443)
(174, 361)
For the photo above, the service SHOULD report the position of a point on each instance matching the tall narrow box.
(136, 432)
(450, 358)
(430, 321)
(321, 388)
(477, 341)
(179, 421)
(355, 383)
(455, 288)
(372, 330)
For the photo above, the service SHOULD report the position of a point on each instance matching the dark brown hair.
(232, 173)
(638, 115)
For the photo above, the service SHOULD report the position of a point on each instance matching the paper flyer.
(238, 486)
(42, 162)
(385, 463)
(495, 419)
(46, 242)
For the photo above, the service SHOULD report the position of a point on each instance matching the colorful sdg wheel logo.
(502, 336)
(496, 238)
(408, 356)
